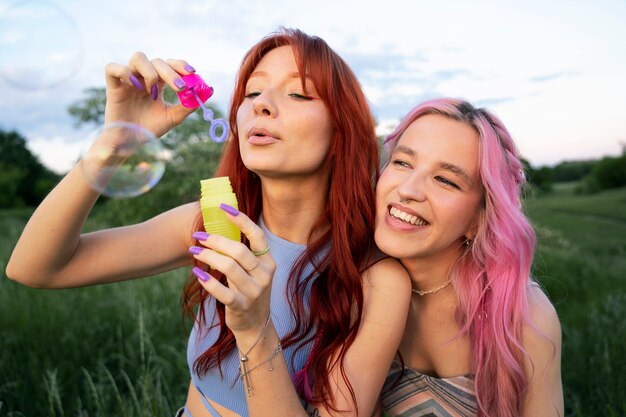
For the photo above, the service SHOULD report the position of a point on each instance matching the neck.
(429, 273)
(291, 207)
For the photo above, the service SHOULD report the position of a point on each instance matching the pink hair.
(491, 277)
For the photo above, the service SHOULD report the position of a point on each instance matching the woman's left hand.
(249, 275)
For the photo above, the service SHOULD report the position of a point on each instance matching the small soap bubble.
(40, 45)
(125, 160)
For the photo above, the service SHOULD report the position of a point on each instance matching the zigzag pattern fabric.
(408, 393)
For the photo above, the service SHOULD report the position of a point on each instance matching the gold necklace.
(434, 290)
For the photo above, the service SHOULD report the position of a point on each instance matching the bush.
(610, 172)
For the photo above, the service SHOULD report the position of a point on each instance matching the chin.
(386, 244)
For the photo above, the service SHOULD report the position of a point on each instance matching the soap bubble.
(125, 160)
(40, 45)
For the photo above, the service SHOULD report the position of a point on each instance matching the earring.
(468, 242)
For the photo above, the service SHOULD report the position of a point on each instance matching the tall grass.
(581, 262)
(111, 350)
(119, 350)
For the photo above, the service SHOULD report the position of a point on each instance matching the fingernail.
(194, 250)
(154, 92)
(179, 83)
(189, 68)
(200, 274)
(136, 82)
(230, 210)
(200, 235)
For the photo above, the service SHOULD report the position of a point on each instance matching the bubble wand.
(195, 95)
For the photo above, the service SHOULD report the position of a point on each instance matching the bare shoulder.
(541, 340)
(543, 316)
(388, 274)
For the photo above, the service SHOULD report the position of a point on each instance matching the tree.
(542, 178)
(90, 109)
(24, 181)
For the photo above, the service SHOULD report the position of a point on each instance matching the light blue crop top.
(228, 391)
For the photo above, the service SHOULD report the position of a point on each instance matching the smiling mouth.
(406, 217)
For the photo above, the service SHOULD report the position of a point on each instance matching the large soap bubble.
(40, 45)
(125, 160)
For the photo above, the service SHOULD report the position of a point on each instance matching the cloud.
(493, 101)
(553, 76)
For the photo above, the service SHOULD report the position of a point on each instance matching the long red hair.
(332, 312)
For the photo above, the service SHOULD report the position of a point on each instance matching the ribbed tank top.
(228, 390)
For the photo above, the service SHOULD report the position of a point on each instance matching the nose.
(263, 105)
(412, 189)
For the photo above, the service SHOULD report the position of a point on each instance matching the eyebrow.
(289, 76)
(458, 171)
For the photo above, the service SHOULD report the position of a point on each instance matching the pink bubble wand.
(195, 95)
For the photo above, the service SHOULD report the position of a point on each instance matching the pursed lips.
(261, 133)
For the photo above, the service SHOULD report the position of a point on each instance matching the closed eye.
(400, 163)
(447, 182)
(252, 94)
(301, 97)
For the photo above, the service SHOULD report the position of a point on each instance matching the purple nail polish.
(136, 82)
(154, 92)
(200, 235)
(179, 83)
(189, 68)
(194, 250)
(230, 210)
(200, 274)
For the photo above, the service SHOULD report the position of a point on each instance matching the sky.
(554, 72)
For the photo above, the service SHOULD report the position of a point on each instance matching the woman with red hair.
(305, 304)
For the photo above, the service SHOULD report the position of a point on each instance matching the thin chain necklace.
(434, 290)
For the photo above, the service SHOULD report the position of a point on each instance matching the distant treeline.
(24, 181)
(592, 175)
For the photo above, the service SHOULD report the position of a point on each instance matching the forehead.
(438, 137)
(281, 58)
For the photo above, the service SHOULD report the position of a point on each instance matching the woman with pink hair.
(481, 337)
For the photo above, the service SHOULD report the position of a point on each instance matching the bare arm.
(51, 251)
(544, 397)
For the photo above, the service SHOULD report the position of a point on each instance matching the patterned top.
(412, 394)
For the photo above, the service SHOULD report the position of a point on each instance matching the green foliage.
(541, 179)
(572, 170)
(609, 172)
(89, 110)
(581, 262)
(24, 181)
(109, 350)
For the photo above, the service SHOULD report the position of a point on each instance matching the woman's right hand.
(135, 92)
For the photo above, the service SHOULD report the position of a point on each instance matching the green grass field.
(119, 350)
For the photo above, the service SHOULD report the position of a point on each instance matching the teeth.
(406, 217)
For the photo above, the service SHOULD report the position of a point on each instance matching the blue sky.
(555, 72)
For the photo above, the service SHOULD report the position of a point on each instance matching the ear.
(472, 230)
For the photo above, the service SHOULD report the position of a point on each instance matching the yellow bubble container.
(213, 192)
